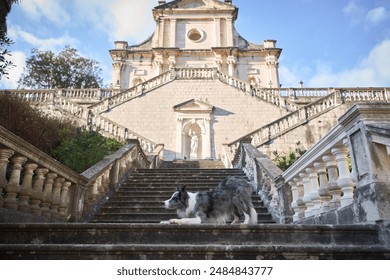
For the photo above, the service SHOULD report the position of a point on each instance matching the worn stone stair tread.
(190, 251)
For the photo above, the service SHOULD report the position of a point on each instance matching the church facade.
(195, 35)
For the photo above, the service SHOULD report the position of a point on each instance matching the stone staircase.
(139, 200)
(127, 227)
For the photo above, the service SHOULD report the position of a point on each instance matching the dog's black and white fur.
(232, 197)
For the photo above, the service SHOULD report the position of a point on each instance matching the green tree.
(5, 63)
(45, 69)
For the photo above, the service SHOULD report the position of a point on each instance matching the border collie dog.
(232, 197)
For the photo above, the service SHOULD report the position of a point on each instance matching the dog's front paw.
(165, 222)
(174, 221)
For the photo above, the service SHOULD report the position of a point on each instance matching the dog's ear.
(183, 189)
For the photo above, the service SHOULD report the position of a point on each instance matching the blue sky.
(326, 43)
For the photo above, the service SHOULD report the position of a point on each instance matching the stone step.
(84, 233)
(156, 241)
(156, 216)
(190, 252)
(190, 171)
(146, 208)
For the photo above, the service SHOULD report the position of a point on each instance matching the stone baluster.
(307, 190)
(26, 190)
(333, 187)
(37, 193)
(314, 196)
(13, 187)
(48, 195)
(300, 192)
(274, 195)
(323, 190)
(294, 203)
(345, 182)
(64, 199)
(58, 182)
(5, 155)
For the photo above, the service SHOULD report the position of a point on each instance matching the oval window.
(195, 35)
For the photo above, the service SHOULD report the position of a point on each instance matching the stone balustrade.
(266, 176)
(288, 122)
(41, 189)
(344, 178)
(195, 73)
(110, 128)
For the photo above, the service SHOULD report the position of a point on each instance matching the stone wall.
(235, 113)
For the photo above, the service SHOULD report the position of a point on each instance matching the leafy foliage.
(45, 69)
(78, 149)
(285, 160)
(86, 149)
(39, 130)
(5, 64)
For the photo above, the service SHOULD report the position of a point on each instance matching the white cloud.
(377, 15)
(354, 12)
(372, 71)
(49, 9)
(53, 44)
(19, 60)
(120, 19)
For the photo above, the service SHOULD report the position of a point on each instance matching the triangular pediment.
(192, 106)
(195, 4)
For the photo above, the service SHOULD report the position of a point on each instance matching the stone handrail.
(267, 177)
(89, 94)
(83, 116)
(36, 185)
(288, 122)
(131, 93)
(320, 187)
(272, 96)
(109, 128)
(340, 177)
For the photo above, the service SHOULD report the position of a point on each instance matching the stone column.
(5, 155)
(323, 190)
(55, 214)
(294, 204)
(37, 193)
(172, 39)
(314, 196)
(48, 195)
(333, 187)
(64, 200)
(13, 187)
(307, 191)
(345, 182)
(26, 190)
(217, 22)
(300, 203)
(231, 65)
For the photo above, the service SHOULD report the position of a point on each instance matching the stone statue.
(194, 143)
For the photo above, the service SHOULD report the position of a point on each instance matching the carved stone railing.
(287, 123)
(272, 96)
(267, 176)
(82, 115)
(35, 187)
(343, 179)
(109, 128)
(131, 93)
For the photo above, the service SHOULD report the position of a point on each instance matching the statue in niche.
(194, 142)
